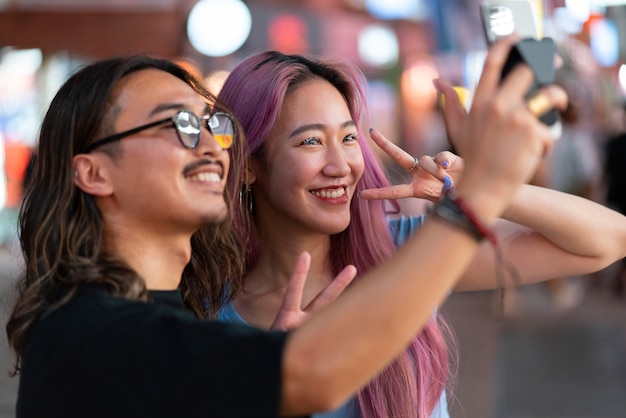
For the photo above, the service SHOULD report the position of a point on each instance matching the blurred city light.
(606, 3)
(378, 46)
(622, 77)
(18, 93)
(382, 99)
(218, 27)
(565, 21)
(604, 42)
(473, 62)
(3, 185)
(288, 33)
(416, 83)
(397, 9)
(578, 9)
(17, 66)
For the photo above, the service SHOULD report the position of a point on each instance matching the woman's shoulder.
(403, 226)
(228, 313)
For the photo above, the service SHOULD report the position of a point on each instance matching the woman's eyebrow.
(317, 127)
(307, 127)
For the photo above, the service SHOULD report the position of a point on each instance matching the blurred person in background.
(574, 167)
(309, 158)
(615, 183)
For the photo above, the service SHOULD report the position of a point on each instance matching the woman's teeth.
(329, 193)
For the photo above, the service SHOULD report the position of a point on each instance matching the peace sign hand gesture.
(431, 175)
(291, 314)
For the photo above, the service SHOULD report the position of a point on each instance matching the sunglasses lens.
(188, 127)
(223, 129)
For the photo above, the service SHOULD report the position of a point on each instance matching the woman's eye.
(311, 141)
(350, 138)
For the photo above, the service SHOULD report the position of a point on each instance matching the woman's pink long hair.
(255, 90)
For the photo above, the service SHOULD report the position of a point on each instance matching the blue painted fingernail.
(445, 164)
(448, 183)
(371, 129)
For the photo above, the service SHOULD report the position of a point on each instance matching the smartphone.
(505, 17)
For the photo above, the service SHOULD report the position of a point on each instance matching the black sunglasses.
(188, 127)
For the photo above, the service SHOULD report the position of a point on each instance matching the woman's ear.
(91, 175)
(250, 176)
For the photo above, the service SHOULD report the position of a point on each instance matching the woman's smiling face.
(312, 164)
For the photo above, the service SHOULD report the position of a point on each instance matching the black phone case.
(538, 54)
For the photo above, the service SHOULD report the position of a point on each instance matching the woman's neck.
(265, 285)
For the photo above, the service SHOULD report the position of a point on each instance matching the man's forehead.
(147, 90)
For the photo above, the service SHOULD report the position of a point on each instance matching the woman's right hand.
(432, 176)
(500, 140)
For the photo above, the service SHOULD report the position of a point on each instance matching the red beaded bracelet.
(484, 230)
(454, 210)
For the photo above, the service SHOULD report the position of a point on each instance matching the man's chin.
(217, 216)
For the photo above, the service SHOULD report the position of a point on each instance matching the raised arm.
(549, 234)
(347, 343)
(544, 233)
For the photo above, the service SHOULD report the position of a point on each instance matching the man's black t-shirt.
(101, 356)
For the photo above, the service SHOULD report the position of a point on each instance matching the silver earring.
(245, 196)
(250, 201)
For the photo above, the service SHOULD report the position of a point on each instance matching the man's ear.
(91, 174)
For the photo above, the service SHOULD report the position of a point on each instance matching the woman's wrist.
(456, 211)
(487, 201)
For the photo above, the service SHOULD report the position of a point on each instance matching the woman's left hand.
(431, 175)
(291, 314)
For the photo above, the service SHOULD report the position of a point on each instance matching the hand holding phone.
(538, 54)
(503, 18)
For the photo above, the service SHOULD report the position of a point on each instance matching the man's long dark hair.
(60, 226)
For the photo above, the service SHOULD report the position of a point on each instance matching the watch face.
(502, 18)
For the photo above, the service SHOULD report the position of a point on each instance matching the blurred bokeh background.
(550, 351)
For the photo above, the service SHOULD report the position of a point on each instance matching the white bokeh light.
(378, 46)
(622, 77)
(604, 42)
(397, 9)
(218, 27)
(579, 9)
(564, 20)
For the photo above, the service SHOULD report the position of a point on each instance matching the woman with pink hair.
(309, 158)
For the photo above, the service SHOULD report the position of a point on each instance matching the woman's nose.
(337, 162)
